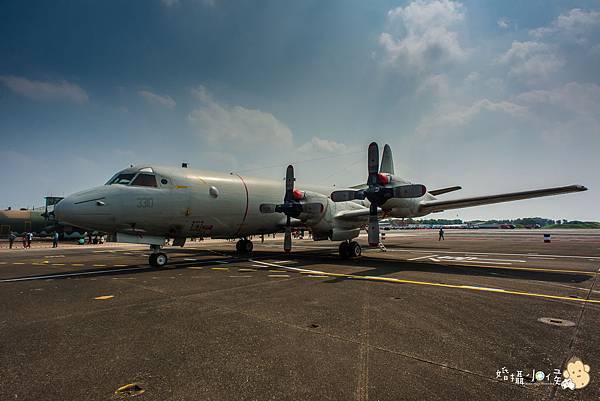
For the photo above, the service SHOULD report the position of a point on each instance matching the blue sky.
(493, 96)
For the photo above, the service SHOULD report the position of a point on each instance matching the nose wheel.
(350, 249)
(157, 258)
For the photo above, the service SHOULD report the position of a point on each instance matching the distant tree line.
(520, 222)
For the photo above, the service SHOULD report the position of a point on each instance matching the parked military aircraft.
(149, 204)
(39, 221)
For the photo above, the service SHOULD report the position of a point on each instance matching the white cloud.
(436, 84)
(41, 90)
(319, 145)
(427, 39)
(567, 114)
(236, 126)
(580, 98)
(153, 98)
(531, 60)
(574, 25)
(504, 23)
(447, 118)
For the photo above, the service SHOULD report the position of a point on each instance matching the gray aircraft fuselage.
(192, 203)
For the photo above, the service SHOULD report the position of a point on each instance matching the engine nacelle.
(342, 235)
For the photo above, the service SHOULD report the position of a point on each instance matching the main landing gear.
(350, 249)
(244, 246)
(157, 258)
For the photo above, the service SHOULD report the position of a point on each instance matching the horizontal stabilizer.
(438, 206)
(440, 191)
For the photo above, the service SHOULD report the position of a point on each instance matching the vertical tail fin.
(387, 162)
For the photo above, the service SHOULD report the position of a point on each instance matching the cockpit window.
(144, 180)
(123, 179)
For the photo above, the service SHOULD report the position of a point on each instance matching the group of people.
(28, 239)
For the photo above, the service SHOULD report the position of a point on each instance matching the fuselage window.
(144, 180)
(123, 179)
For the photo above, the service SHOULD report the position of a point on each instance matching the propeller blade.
(373, 227)
(409, 191)
(287, 240)
(347, 195)
(268, 208)
(312, 208)
(289, 184)
(373, 163)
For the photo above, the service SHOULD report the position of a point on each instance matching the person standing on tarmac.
(29, 239)
(441, 234)
(55, 240)
(11, 239)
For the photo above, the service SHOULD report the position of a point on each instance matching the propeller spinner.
(380, 189)
(292, 206)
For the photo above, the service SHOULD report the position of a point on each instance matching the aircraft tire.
(354, 249)
(344, 249)
(161, 259)
(244, 246)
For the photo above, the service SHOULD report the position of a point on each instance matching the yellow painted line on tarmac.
(277, 271)
(246, 270)
(431, 284)
(37, 264)
(18, 263)
(278, 275)
(104, 297)
(220, 268)
(120, 265)
(99, 265)
(591, 273)
(2, 263)
(58, 264)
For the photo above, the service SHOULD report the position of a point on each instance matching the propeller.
(380, 189)
(292, 206)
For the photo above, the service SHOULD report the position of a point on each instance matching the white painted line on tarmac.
(422, 257)
(485, 261)
(490, 253)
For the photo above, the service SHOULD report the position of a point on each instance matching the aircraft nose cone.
(83, 209)
(64, 209)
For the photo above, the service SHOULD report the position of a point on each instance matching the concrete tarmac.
(459, 319)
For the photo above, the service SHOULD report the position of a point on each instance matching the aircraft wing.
(438, 206)
(354, 214)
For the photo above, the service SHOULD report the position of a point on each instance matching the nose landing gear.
(244, 246)
(350, 249)
(157, 258)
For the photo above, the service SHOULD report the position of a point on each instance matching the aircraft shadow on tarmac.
(308, 259)
(381, 267)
